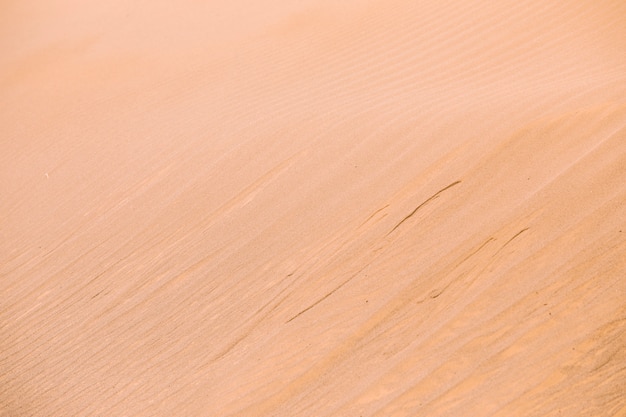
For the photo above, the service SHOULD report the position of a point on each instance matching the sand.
(313, 208)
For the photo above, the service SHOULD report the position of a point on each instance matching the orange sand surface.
(313, 208)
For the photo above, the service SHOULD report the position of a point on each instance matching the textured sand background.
(313, 208)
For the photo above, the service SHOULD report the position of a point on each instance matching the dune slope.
(314, 208)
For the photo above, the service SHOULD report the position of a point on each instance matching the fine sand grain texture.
(313, 208)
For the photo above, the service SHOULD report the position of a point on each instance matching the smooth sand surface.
(313, 208)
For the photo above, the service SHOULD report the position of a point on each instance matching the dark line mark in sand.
(475, 251)
(252, 323)
(511, 239)
(436, 292)
(431, 198)
(324, 297)
(373, 214)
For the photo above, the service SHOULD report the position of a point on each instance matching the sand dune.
(313, 208)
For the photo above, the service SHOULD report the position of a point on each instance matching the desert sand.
(313, 208)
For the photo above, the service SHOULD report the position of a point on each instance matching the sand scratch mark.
(436, 292)
(373, 214)
(232, 345)
(511, 240)
(260, 316)
(323, 298)
(428, 200)
(475, 251)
